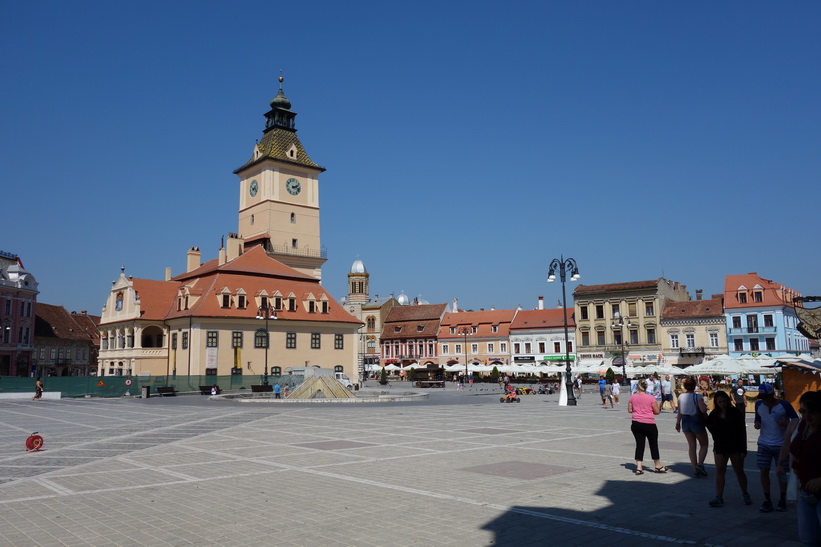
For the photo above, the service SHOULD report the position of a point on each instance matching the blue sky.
(466, 143)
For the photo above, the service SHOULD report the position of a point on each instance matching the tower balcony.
(298, 251)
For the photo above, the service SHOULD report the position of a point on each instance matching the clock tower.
(279, 194)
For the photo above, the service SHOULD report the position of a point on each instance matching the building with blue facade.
(760, 317)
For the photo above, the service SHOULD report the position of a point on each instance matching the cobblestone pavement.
(458, 469)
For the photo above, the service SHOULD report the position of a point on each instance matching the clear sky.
(466, 143)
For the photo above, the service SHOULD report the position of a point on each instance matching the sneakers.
(781, 505)
(717, 502)
(700, 471)
(747, 499)
(766, 507)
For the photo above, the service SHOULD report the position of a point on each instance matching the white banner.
(210, 357)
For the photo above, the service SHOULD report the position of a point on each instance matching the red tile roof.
(772, 293)
(483, 321)
(543, 319)
(156, 297)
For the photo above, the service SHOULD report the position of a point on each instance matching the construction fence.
(123, 386)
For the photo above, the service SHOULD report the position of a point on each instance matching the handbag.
(702, 416)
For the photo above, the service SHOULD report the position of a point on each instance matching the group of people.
(784, 439)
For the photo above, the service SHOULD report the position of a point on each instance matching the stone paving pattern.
(457, 469)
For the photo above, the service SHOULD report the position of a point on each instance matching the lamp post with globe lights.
(266, 311)
(620, 323)
(465, 332)
(563, 266)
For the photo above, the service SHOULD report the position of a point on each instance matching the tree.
(383, 376)
(610, 375)
(494, 375)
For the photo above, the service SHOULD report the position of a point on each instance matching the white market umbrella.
(392, 367)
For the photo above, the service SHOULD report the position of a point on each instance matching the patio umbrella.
(730, 366)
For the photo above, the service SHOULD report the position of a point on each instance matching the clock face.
(254, 188)
(293, 186)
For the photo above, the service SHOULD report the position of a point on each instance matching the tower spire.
(280, 115)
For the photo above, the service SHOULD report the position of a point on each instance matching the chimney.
(699, 294)
(541, 303)
(221, 256)
(233, 247)
(168, 274)
(455, 305)
(193, 261)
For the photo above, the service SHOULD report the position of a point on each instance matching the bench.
(206, 390)
(262, 389)
(168, 391)
(430, 383)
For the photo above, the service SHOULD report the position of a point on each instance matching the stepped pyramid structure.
(324, 387)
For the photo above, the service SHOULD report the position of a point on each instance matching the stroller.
(510, 396)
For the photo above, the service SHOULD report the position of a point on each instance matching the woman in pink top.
(644, 407)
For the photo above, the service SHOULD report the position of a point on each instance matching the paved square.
(458, 469)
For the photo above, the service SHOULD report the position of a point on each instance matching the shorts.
(690, 424)
(764, 458)
(668, 397)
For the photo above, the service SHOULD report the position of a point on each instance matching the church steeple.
(280, 115)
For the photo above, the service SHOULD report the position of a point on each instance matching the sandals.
(638, 472)
(662, 469)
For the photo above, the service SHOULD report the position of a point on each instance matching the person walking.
(805, 450)
(667, 393)
(616, 390)
(643, 408)
(38, 390)
(603, 390)
(738, 395)
(690, 404)
(277, 390)
(772, 416)
(727, 425)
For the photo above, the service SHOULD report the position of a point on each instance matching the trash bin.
(146, 392)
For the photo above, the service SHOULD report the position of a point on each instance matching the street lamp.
(465, 332)
(563, 265)
(266, 311)
(618, 322)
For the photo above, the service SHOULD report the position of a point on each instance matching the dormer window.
(292, 304)
(494, 328)
(277, 302)
(453, 330)
(325, 307)
(397, 330)
(263, 301)
(292, 152)
(742, 297)
(420, 328)
(311, 306)
(474, 330)
(758, 296)
(241, 301)
(226, 300)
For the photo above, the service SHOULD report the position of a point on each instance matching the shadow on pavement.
(645, 513)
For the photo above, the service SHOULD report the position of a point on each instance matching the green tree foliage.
(610, 375)
(494, 375)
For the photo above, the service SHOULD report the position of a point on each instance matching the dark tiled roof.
(629, 286)
(56, 322)
(275, 145)
(692, 309)
(416, 313)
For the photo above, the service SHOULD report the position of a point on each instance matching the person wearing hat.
(772, 416)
